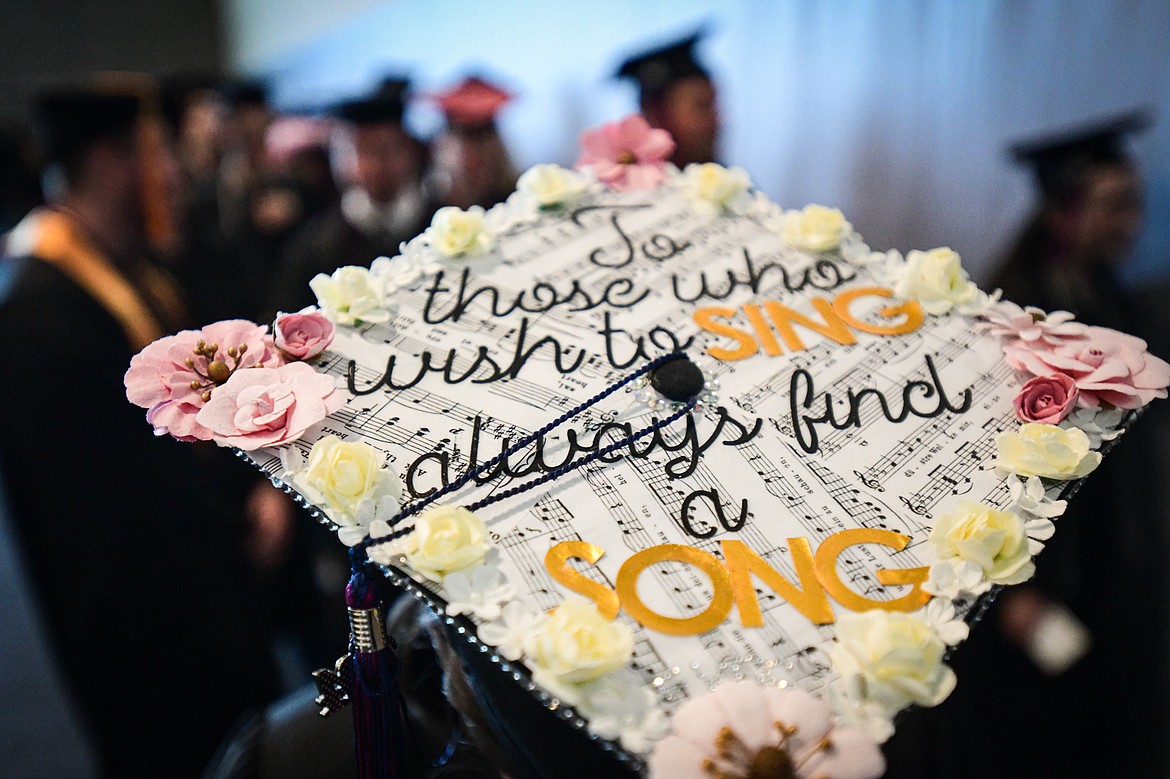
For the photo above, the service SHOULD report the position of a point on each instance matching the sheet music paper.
(647, 258)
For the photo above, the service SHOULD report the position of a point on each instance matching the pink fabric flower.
(1029, 325)
(1046, 399)
(161, 379)
(303, 336)
(626, 155)
(746, 729)
(1106, 366)
(268, 406)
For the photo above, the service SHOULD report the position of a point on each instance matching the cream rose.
(551, 185)
(340, 475)
(458, 233)
(891, 659)
(1047, 451)
(577, 645)
(994, 540)
(936, 279)
(446, 539)
(814, 228)
(715, 189)
(350, 295)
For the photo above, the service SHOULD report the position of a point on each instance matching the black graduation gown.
(1108, 714)
(135, 562)
(326, 244)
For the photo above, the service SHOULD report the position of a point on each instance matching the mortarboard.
(1060, 160)
(71, 120)
(472, 102)
(657, 69)
(384, 106)
(244, 92)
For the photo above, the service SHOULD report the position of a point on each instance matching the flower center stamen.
(626, 158)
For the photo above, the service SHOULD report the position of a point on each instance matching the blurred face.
(689, 111)
(385, 160)
(1104, 222)
(113, 173)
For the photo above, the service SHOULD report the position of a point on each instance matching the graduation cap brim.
(657, 69)
(1056, 157)
(473, 102)
(70, 121)
(385, 106)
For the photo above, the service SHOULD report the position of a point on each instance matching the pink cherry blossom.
(1029, 325)
(303, 336)
(268, 406)
(747, 729)
(1106, 366)
(173, 377)
(627, 155)
(1046, 399)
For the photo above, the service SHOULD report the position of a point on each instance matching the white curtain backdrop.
(896, 111)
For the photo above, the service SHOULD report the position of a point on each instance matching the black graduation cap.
(657, 69)
(69, 121)
(244, 92)
(385, 105)
(1061, 160)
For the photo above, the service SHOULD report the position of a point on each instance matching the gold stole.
(57, 239)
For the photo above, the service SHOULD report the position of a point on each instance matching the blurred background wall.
(896, 111)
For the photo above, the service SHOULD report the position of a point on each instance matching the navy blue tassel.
(379, 721)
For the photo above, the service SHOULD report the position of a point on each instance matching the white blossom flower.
(551, 186)
(1047, 451)
(620, 707)
(458, 233)
(349, 479)
(814, 228)
(992, 539)
(953, 576)
(935, 279)
(940, 613)
(577, 645)
(714, 189)
(891, 659)
(1029, 496)
(1098, 424)
(446, 539)
(480, 591)
(515, 627)
(867, 716)
(351, 295)
(746, 729)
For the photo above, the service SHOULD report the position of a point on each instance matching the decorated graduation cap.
(472, 103)
(70, 120)
(385, 105)
(656, 70)
(695, 483)
(1060, 161)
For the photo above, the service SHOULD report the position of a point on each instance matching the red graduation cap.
(472, 102)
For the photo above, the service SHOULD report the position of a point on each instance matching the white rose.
(1047, 451)
(814, 228)
(936, 279)
(551, 185)
(341, 475)
(891, 659)
(994, 540)
(457, 233)
(715, 189)
(577, 645)
(445, 539)
(350, 295)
